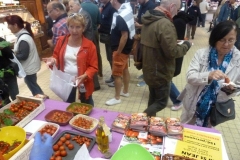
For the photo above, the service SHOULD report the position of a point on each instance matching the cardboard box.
(32, 115)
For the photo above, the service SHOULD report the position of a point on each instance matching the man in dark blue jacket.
(104, 30)
(195, 12)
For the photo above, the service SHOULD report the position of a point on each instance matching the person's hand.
(216, 75)
(49, 61)
(137, 25)
(42, 147)
(189, 44)
(81, 79)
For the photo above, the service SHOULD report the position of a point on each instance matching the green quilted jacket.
(159, 48)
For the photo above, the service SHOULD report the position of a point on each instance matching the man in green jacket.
(159, 49)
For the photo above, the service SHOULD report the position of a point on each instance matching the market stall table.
(109, 118)
(96, 113)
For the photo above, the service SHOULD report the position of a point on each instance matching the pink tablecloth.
(96, 113)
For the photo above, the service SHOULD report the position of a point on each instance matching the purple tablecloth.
(96, 113)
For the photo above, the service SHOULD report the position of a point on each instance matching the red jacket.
(87, 61)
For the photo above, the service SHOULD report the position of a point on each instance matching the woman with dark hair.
(206, 73)
(26, 51)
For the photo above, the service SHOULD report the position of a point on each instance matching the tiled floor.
(137, 101)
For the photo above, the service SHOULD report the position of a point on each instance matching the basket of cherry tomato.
(79, 108)
(84, 123)
(17, 112)
(60, 117)
(49, 128)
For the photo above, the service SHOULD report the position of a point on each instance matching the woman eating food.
(207, 70)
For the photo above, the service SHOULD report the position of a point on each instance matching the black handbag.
(105, 38)
(222, 112)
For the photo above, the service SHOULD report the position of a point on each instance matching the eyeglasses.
(230, 41)
(49, 12)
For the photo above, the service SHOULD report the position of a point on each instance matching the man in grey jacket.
(75, 7)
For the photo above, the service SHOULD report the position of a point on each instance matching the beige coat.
(197, 78)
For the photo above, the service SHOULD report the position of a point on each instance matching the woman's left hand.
(81, 79)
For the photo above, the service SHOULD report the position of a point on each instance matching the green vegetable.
(7, 122)
(4, 44)
(8, 112)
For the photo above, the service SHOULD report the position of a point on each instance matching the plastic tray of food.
(84, 123)
(49, 128)
(30, 107)
(75, 140)
(79, 108)
(60, 117)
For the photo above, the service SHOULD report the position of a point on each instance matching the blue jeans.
(203, 16)
(72, 97)
(31, 81)
(174, 93)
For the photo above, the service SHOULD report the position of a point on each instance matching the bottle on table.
(102, 133)
(82, 90)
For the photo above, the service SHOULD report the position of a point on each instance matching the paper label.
(143, 135)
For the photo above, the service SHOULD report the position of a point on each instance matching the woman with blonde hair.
(76, 55)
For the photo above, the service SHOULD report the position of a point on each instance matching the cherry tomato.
(55, 147)
(52, 158)
(70, 146)
(67, 142)
(57, 153)
(67, 136)
(58, 158)
(63, 153)
(59, 143)
(61, 148)
(63, 139)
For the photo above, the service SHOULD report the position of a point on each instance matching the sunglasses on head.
(75, 14)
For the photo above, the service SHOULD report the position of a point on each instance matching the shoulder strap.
(22, 34)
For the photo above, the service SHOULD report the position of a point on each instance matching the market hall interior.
(137, 101)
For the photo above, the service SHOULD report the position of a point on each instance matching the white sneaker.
(113, 101)
(124, 94)
(176, 107)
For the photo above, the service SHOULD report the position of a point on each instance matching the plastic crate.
(32, 115)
